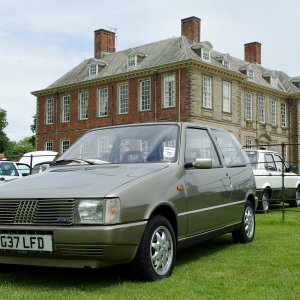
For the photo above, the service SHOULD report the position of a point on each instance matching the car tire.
(296, 202)
(264, 202)
(246, 232)
(156, 254)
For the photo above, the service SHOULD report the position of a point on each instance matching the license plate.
(26, 242)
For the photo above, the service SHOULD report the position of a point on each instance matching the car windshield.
(126, 144)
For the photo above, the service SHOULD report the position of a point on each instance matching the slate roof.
(162, 53)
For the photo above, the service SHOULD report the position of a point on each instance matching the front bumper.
(79, 246)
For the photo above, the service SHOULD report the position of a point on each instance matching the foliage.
(16, 149)
(4, 140)
(13, 150)
(268, 268)
(3, 121)
(33, 129)
(33, 125)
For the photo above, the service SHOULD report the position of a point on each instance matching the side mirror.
(200, 163)
(292, 169)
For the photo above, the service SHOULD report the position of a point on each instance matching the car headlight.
(97, 211)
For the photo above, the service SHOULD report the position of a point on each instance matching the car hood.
(77, 181)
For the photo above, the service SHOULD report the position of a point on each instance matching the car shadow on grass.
(87, 279)
(48, 277)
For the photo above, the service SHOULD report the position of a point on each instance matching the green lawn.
(268, 268)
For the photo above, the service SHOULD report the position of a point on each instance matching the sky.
(42, 40)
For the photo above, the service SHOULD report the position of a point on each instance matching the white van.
(36, 157)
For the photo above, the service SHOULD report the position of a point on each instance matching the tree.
(33, 125)
(33, 129)
(4, 140)
(17, 149)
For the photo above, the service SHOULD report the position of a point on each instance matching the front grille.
(37, 211)
(25, 212)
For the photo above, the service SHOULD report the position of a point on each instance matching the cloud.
(42, 40)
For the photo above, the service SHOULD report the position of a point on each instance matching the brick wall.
(75, 128)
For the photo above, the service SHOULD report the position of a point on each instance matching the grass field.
(268, 268)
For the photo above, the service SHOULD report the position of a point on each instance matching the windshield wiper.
(68, 161)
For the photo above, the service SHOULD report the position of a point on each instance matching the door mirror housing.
(200, 163)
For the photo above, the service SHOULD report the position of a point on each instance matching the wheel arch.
(166, 211)
(268, 189)
(251, 198)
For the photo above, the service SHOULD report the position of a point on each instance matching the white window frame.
(248, 106)
(283, 114)
(169, 91)
(273, 112)
(226, 64)
(49, 111)
(261, 109)
(250, 74)
(131, 61)
(207, 92)
(66, 108)
(273, 80)
(226, 96)
(145, 94)
(49, 146)
(83, 105)
(93, 70)
(64, 145)
(102, 96)
(123, 98)
(205, 54)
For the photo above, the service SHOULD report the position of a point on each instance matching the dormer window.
(250, 74)
(95, 66)
(203, 49)
(296, 81)
(224, 59)
(247, 70)
(273, 81)
(131, 61)
(93, 70)
(205, 54)
(272, 78)
(134, 57)
(226, 64)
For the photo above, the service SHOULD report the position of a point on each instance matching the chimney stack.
(190, 28)
(104, 42)
(253, 52)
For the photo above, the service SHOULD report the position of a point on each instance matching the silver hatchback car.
(134, 193)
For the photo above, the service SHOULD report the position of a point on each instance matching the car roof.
(182, 124)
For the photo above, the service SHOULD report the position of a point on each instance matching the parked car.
(133, 193)
(10, 170)
(37, 157)
(41, 167)
(269, 171)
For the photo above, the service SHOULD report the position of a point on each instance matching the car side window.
(8, 169)
(269, 162)
(279, 163)
(200, 145)
(232, 152)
